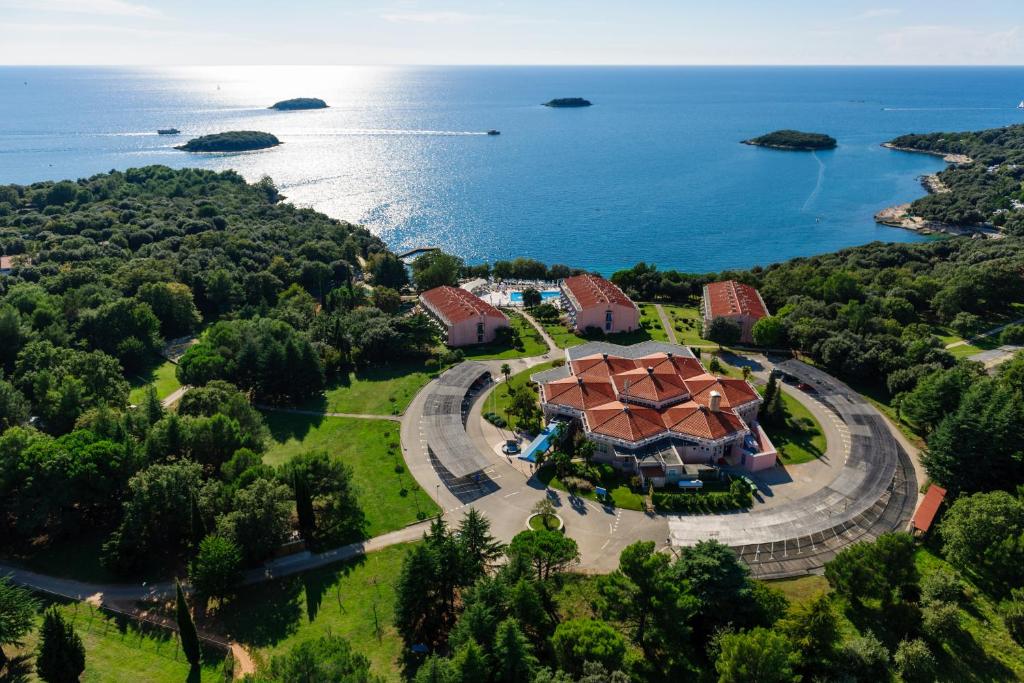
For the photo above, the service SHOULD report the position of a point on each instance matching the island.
(794, 140)
(231, 141)
(563, 102)
(298, 103)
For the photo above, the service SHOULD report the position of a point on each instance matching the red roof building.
(929, 508)
(735, 301)
(464, 317)
(591, 301)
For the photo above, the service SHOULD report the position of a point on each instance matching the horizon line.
(521, 65)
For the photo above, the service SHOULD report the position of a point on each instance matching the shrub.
(1012, 334)
(915, 662)
(942, 585)
(941, 620)
(865, 658)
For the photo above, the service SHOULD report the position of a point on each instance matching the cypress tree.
(61, 657)
(187, 628)
(303, 504)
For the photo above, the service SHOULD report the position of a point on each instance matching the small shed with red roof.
(928, 510)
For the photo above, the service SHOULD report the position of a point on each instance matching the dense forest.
(986, 190)
(110, 267)
(793, 139)
(231, 141)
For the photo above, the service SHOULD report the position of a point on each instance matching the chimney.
(579, 380)
(669, 355)
(716, 401)
(650, 369)
(604, 355)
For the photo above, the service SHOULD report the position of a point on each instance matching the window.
(607, 316)
(479, 339)
(479, 328)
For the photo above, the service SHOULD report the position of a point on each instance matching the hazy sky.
(515, 32)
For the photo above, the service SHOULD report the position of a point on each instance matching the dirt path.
(174, 396)
(244, 665)
(666, 323)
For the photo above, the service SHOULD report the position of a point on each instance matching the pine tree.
(61, 657)
(471, 663)
(187, 628)
(480, 549)
(513, 659)
(152, 408)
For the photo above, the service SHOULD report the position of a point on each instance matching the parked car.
(749, 482)
(804, 386)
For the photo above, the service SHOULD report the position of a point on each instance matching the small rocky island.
(298, 103)
(793, 140)
(231, 141)
(568, 102)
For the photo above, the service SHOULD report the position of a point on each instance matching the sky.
(197, 32)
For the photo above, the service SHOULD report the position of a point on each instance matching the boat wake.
(817, 186)
(384, 131)
(943, 108)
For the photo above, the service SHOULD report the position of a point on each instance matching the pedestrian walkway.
(666, 323)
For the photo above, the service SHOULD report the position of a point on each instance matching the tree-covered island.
(298, 103)
(564, 102)
(231, 141)
(793, 140)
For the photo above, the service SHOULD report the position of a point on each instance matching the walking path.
(356, 416)
(982, 335)
(174, 396)
(552, 346)
(666, 323)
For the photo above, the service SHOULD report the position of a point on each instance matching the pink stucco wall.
(464, 333)
(624, 318)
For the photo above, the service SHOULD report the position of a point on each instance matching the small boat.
(498, 132)
(1021, 105)
(167, 131)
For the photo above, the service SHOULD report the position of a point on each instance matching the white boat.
(1021, 105)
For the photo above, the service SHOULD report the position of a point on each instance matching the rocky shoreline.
(899, 217)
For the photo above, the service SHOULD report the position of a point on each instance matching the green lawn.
(378, 390)
(687, 322)
(801, 588)
(564, 338)
(115, 650)
(802, 439)
(161, 375)
(354, 600)
(391, 499)
(651, 321)
(532, 343)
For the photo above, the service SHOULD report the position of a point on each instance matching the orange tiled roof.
(600, 383)
(455, 304)
(925, 514)
(578, 392)
(621, 421)
(592, 290)
(733, 298)
(691, 418)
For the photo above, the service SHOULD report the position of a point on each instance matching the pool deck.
(502, 296)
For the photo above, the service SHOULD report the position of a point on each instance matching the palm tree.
(746, 372)
(506, 370)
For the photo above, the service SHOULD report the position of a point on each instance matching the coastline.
(898, 216)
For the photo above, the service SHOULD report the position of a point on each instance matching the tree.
(323, 486)
(937, 395)
(480, 550)
(865, 657)
(387, 300)
(642, 589)
(758, 655)
(531, 297)
(470, 663)
(216, 570)
(813, 629)
(578, 641)
(14, 407)
(940, 621)
(982, 535)
(259, 519)
(172, 304)
(388, 271)
(915, 662)
(327, 658)
(723, 331)
(514, 661)
(61, 657)
(718, 581)
(420, 611)
(546, 551)
(17, 616)
(769, 332)
(434, 269)
(186, 627)
(506, 370)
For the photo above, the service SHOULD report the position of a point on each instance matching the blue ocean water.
(653, 171)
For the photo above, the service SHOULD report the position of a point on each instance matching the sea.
(654, 171)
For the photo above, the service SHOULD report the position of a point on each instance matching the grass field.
(354, 600)
(564, 338)
(802, 439)
(533, 344)
(651, 321)
(687, 322)
(379, 390)
(115, 650)
(391, 499)
(801, 588)
(160, 375)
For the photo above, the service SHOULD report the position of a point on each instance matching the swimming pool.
(517, 297)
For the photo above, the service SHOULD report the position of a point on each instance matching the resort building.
(653, 410)
(464, 318)
(591, 301)
(735, 301)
